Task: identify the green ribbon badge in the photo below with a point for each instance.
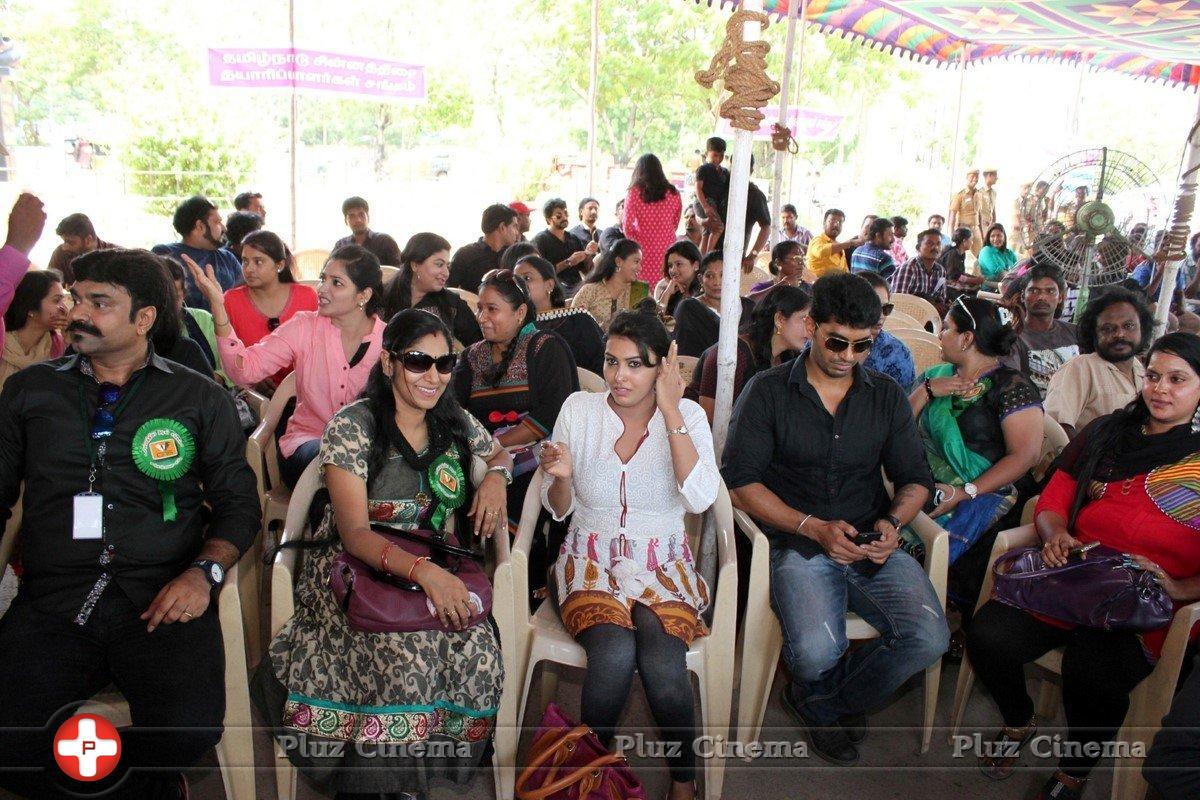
(164, 451)
(449, 486)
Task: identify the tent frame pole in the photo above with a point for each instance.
(731, 273)
(593, 85)
(962, 81)
(785, 82)
(1177, 229)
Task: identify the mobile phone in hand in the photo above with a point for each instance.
(865, 537)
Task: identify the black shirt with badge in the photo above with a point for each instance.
(46, 414)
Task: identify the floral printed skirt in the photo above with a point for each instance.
(377, 712)
(598, 578)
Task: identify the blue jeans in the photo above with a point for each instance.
(293, 466)
(811, 597)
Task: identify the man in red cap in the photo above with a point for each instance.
(522, 217)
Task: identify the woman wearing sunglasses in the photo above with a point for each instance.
(421, 283)
(515, 382)
(380, 456)
(332, 349)
(270, 296)
(577, 327)
(981, 424)
(629, 463)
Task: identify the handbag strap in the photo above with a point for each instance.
(433, 542)
(544, 749)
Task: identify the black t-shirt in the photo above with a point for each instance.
(757, 209)
(470, 263)
(716, 184)
(556, 251)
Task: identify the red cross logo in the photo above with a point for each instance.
(87, 747)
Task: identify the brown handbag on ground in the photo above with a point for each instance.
(567, 762)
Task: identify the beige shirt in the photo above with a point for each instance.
(987, 208)
(966, 203)
(1087, 387)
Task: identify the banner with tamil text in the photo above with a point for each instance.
(285, 67)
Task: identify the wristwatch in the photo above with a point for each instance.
(214, 573)
(971, 489)
(893, 520)
(680, 431)
(504, 471)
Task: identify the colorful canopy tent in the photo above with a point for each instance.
(1156, 40)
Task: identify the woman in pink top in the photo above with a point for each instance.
(332, 349)
(270, 296)
(652, 209)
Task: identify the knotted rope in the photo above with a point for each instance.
(743, 66)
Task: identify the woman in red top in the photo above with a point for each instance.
(270, 296)
(1127, 481)
(652, 209)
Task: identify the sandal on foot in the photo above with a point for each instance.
(1000, 755)
(1061, 786)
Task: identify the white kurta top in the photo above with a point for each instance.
(627, 536)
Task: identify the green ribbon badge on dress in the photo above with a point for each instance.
(164, 450)
(449, 486)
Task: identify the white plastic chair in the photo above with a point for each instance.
(309, 262)
(471, 298)
(541, 636)
(283, 607)
(762, 638)
(1148, 703)
(925, 348)
(898, 319)
(590, 381)
(919, 309)
(235, 750)
(389, 274)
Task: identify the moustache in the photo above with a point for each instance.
(83, 327)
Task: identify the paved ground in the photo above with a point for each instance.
(891, 766)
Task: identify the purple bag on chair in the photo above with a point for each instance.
(1105, 590)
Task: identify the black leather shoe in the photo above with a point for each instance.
(855, 726)
(830, 743)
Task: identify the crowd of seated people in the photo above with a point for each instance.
(475, 353)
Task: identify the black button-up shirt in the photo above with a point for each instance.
(470, 263)
(783, 437)
(383, 246)
(44, 438)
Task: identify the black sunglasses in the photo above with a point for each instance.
(836, 344)
(104, 419)
(418, 363)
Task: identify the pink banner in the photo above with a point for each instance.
(806, 124)
(276, 67)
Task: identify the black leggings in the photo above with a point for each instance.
(613, 653)
(1099, 670)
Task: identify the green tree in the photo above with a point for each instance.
(166, 169)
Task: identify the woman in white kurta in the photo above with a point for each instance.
(629, 464)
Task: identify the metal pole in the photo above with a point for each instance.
(962, 79)
(785, 82)
(593, 84)
(799, 83)
(1177, 231)
(292, 119)
(735, 231)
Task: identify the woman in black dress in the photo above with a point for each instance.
(698, 319)
(421, 283)
(575, 325)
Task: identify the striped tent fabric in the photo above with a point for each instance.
(1155, 40)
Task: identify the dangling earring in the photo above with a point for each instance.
(778, 330)
(1196, 421)
(361, 306)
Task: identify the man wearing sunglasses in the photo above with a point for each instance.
(119, 451)
(804, 456)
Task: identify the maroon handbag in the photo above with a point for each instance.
(567, 762)
(1106, 590)
(378, 602)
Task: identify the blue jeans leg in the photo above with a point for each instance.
(292, 467)
(897, 600)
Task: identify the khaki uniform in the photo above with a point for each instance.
(966, 206)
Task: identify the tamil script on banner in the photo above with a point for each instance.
(806, 124)
(285, 67)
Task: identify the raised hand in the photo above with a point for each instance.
(668, 387)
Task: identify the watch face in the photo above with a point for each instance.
(217, 573)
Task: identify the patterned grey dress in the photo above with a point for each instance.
(379, 712)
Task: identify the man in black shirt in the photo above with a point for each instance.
(615, 232)
(501, 229)
(357, 214)
(571, 258)
(119, 451)
(803, 458)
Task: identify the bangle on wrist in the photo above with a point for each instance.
(415, 564)
(801, 525)
(929, 391)
(383, 562)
